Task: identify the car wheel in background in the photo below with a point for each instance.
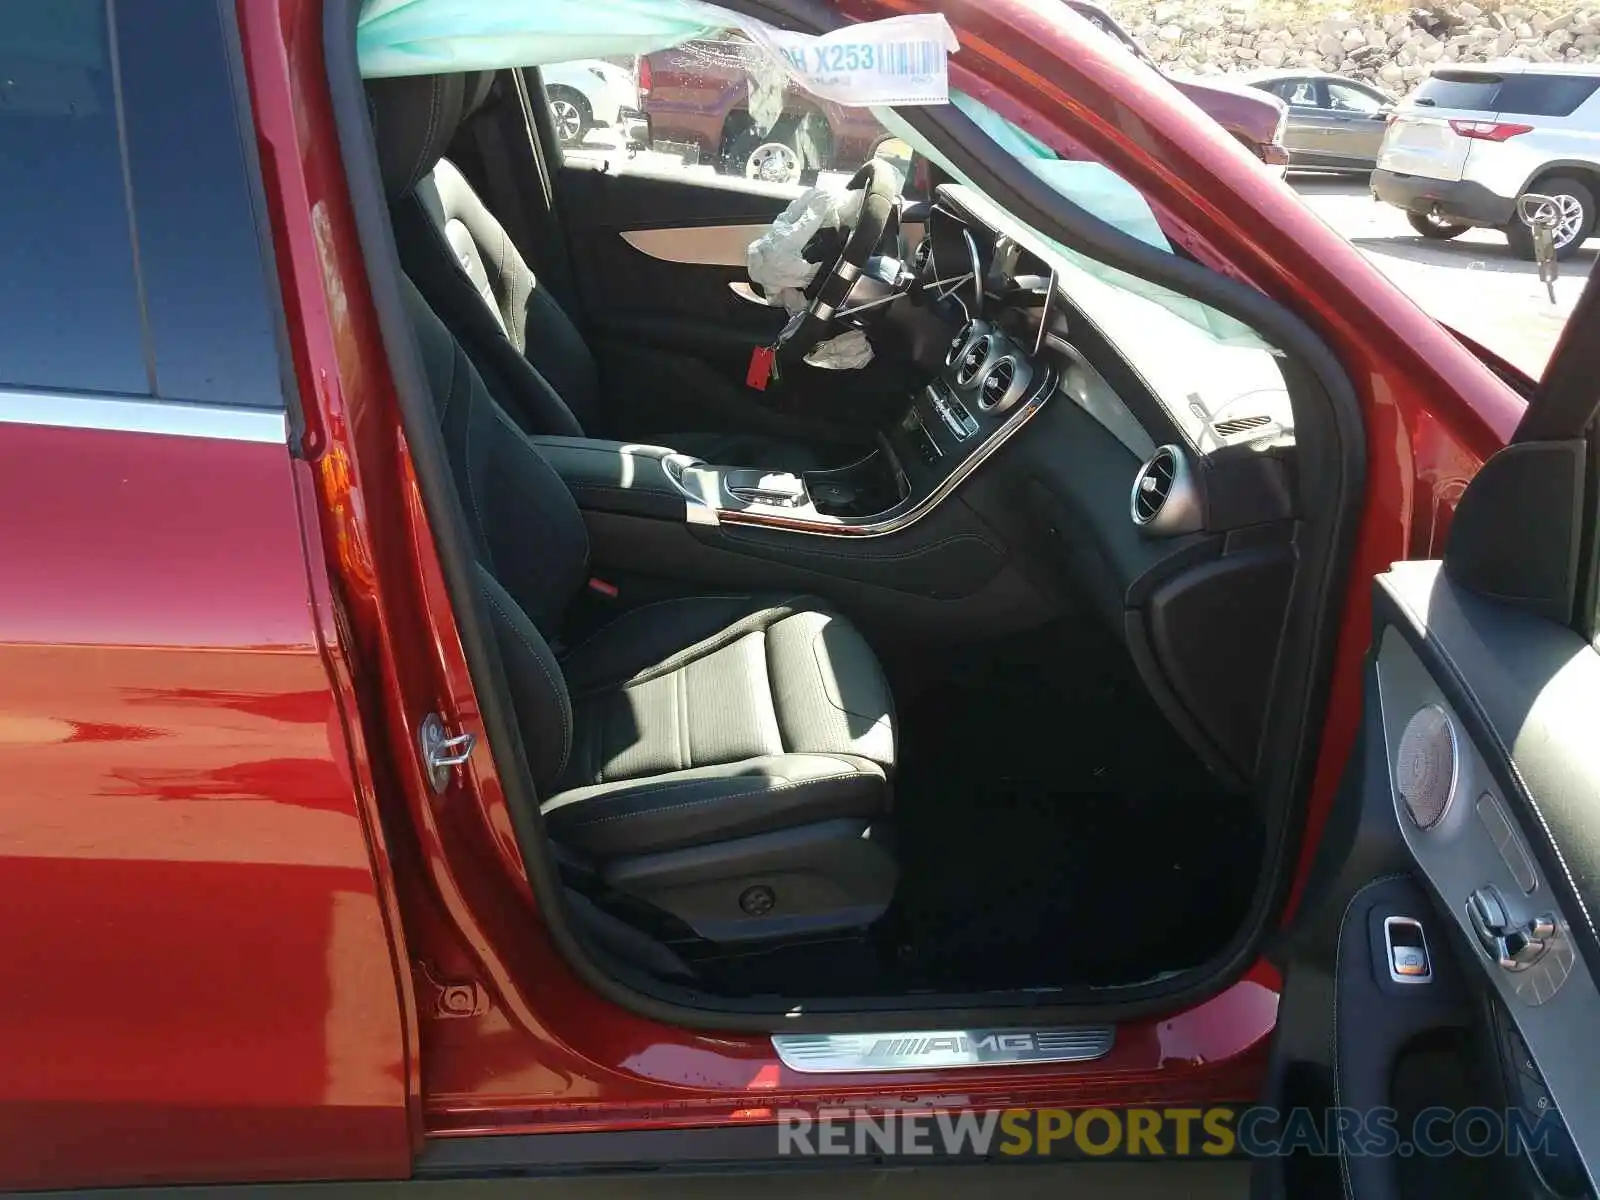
(570, 114)
(786, 153)
(1575, 211)
(1438, 229)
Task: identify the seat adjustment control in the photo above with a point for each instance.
(1514, 945)
(1406, 948)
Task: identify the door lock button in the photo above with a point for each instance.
(1407, 950)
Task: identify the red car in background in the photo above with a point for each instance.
(697, 96)
(424, 763)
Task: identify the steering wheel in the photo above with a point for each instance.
(817, 321)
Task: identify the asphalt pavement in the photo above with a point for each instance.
(1474, 283)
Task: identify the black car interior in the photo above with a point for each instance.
(882, 705)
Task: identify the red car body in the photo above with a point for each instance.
(245, 939)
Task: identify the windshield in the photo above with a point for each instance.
(1203, 365)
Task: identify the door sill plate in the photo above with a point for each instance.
(940, 1049)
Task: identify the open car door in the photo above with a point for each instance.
(1439, 1029)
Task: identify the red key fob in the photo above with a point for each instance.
(760, 368)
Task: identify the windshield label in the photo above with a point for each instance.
(901, 60)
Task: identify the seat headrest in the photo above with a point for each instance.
(477, 91)
(414, 119)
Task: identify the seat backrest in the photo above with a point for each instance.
(527, 349)
(529, 537)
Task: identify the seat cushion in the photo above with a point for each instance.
(717, 716)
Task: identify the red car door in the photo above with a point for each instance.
(1436, 1027)
(199, 975)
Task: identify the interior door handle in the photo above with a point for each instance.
(1511, 944)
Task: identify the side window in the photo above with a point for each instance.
(132, 263)
(1343, 98)
(72, 304)
(1301, 93)
(1546, 95)
(705, 109)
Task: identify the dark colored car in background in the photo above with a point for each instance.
(1258, 126)
(1335, 122)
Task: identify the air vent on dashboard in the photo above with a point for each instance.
(1238, 425)
(959, 343)
(972, 360)
(997, 381)
(1166, 500)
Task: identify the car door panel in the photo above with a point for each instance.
(1514, 694)
(679, 277)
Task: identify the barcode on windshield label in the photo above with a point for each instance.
(901, 60)
(896, 59)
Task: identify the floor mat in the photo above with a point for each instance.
(1053, 829)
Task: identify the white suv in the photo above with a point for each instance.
(1473, 139)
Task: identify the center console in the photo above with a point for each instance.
(987, 389)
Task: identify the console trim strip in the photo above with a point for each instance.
(897, 519)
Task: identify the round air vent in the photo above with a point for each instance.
(960, 342)
(972, 360)
(1426, 766)
(997, 383)
(1165, 499)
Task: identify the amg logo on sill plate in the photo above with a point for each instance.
(940, 1049)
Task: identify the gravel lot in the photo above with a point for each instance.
(1474, 283)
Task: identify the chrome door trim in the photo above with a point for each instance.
(117, 414)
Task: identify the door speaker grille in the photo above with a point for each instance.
(1427, 766)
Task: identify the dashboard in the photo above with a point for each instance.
(1174, 525)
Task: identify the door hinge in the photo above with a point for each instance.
(442, 751)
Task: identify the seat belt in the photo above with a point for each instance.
(546, 255)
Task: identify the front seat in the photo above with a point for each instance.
(531, 355)
(725, 761)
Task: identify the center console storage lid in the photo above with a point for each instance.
(620, 477)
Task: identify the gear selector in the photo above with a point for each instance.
(777, 488)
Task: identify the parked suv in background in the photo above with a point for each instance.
(590, 93)
(1473, 139)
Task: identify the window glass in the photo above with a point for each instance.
(1203, 365)
(200, 259)
(131, 262)
(1346, 99)
(1546, 95)
(708, 108)
(1460, 89)
(67, 287)
(1302, 93)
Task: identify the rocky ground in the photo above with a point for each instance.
(1384, 41)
